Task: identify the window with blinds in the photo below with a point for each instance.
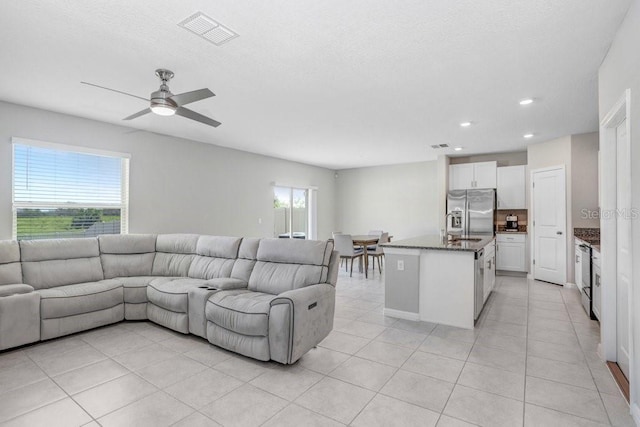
(61, 191)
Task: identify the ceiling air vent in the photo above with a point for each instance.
(207, 28)
(437, 146)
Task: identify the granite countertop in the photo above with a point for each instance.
(435, 242)
(593, 242)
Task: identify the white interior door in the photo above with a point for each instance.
(549, 225)
(623, 247)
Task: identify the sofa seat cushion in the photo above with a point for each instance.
(172, 293)
(241, 311)
(81, 298)
(7, 290)
(135, 288)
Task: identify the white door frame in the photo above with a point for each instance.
(608, 171)
(532, 216)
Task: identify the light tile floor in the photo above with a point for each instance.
(530, 361)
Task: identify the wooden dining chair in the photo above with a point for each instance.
(344, 245)
(374, 233)
(378, 253)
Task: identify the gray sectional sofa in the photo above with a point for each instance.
(269, 299)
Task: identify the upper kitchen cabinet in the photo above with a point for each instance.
(511, 187)
(472, 175)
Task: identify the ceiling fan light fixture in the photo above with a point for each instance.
(163, 109)
(161, 104)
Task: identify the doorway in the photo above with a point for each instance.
(616, 239)
(291, 213)
(549, 201)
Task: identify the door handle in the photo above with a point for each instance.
(559, 233)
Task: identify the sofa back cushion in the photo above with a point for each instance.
(59, 262)
(127, 255)
(247, 256)
(10, 268)
(286, 264)
(174, 254)
(215, 256)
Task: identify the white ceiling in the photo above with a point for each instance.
(332, 83)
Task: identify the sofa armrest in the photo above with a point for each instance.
(301, 296)
(310, 319)
(226, 283)
(7, 290)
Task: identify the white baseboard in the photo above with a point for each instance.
(635, 413)
(570, 285)
(399, 314)
(529, 276)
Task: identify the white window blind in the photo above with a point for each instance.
(62, 191)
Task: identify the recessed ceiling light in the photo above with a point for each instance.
(528, 135)
(526, 101)
(457, 149)
(465, 124)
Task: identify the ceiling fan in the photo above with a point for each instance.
(165, 103)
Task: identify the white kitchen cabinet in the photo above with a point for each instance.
(467, 176)
(511, 252)
(485, 174)
(489, 269)
(578, 264)
(461, 176)
(511, 187)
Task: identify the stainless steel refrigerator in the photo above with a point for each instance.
(471, 212)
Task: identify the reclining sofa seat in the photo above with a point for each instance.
(19, 305)
(203, 265)
(67, 273)
(287, 308)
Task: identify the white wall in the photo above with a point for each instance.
(547, 154)
(620, 71)
(584, 179)
(401, 199)
(176, 185)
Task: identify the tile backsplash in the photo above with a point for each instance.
(589, 235)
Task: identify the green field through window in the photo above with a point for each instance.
(65, 223)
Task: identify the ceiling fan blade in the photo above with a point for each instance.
(190, 114)
(114, 90)
(193, 96)
(138, 114)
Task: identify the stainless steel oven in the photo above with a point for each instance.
(585, 262)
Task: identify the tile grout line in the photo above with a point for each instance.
(526, 358)
(589, 367)
(65, 391)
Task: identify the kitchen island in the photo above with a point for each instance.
(438, 281)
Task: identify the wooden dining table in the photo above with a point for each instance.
(365, 240)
